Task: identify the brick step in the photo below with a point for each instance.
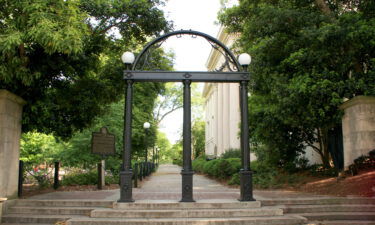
(341, 222)
(279, 220)
(202, 204)
(187, 213)
(338, 216)
(327, 208)
(319, 201)
(37, 219)
(63, 203)
(51, 210)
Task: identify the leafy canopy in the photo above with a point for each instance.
(307, 57)
(62, 56)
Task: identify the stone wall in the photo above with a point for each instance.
(10, 133)
(358, 128)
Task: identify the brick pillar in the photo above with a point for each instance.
(358, 128)
(10, 134)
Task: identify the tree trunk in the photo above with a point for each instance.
(323, 144)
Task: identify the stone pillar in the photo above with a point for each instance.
(358, 128)
(2, 200)
(10, 134)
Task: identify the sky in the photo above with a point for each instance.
(191, 54)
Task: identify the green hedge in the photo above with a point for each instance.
(219, 168)
(87, 178)
(264, 176)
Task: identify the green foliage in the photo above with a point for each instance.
(231, 153)
(90, 177)
(177, 153)
(235, 179)
(218, 168)
(307, 58)
(211, 168)
(229, 167)
(166, 152)
(37, 148)
(265, 175)
(81, 178)
(198, 138)
(62, 57)
(198, 164)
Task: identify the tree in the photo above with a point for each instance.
(166, 155)
(168, 101)
(171, 100)
(307, 57)
(77, 151)
(62, 56)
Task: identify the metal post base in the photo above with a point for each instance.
(187, 186)
(126, 187)
(246, 181)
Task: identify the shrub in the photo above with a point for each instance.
(231, 153)
(219, 168)
(211, 168)
(228, 167)
(79, 178)
(112, 179)
(198, 165)
(235, 179)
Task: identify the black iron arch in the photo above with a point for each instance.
(209, 38)
(240, 76)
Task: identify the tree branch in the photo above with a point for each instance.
(167, 113)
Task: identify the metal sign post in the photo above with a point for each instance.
(103, 144)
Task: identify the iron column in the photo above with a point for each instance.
(187, 173)
(246, 175)
(126, 172)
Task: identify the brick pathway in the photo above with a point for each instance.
(165, 184)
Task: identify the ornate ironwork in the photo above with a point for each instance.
(143, 59)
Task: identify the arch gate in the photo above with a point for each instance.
(236, 74)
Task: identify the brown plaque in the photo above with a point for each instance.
(103, 142)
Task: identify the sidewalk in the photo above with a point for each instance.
(165, 184)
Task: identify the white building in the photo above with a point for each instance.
(221, 106)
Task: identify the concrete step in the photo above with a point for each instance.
(341, 222)
(51, 210)
(319, 201)
(30, 219)
(25, 223)
(187, 213)
(338, 216)
(64, 203)
(279, 220)
(203, 204)
(327, 208)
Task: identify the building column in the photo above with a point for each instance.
(220, 122)
(10, 135)
(358, 128)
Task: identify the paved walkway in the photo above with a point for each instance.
(165, 184)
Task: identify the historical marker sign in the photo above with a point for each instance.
(103, 142)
